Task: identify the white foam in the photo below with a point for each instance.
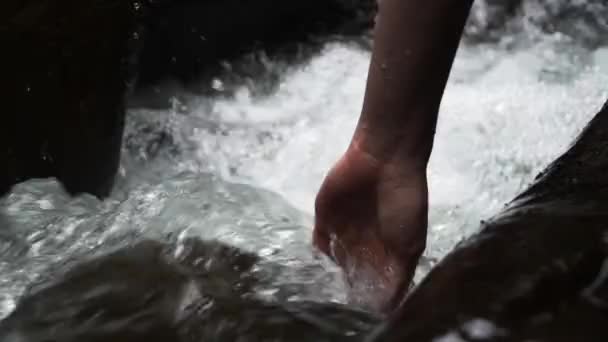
(504, 116)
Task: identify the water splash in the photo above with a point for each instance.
(245, 169)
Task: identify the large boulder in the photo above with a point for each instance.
(64, 67)
(535, 272)
(581, 21)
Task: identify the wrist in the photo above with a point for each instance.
(400, 154)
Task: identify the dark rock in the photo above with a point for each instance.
(535, 272)
(188, 41)
(190, 292)
(64, 66)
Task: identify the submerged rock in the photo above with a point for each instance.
(535, 272)
(152, 291)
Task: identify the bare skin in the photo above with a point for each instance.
(372, 208)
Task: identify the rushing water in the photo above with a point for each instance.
(245, 169)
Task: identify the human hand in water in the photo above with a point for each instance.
(371, 219)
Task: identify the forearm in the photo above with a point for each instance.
(415, 43)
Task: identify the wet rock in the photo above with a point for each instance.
(151, 291)
(535, 272)
(64, 69)
(228, 320)
(133, 291)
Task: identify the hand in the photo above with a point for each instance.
(371, 219)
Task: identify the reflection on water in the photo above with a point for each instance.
(245, 170)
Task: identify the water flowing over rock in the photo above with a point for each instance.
(536, 271)
(540, 261)
(190, 292)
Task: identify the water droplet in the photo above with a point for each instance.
(217, 84)
(481, 329)
(198, 261)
